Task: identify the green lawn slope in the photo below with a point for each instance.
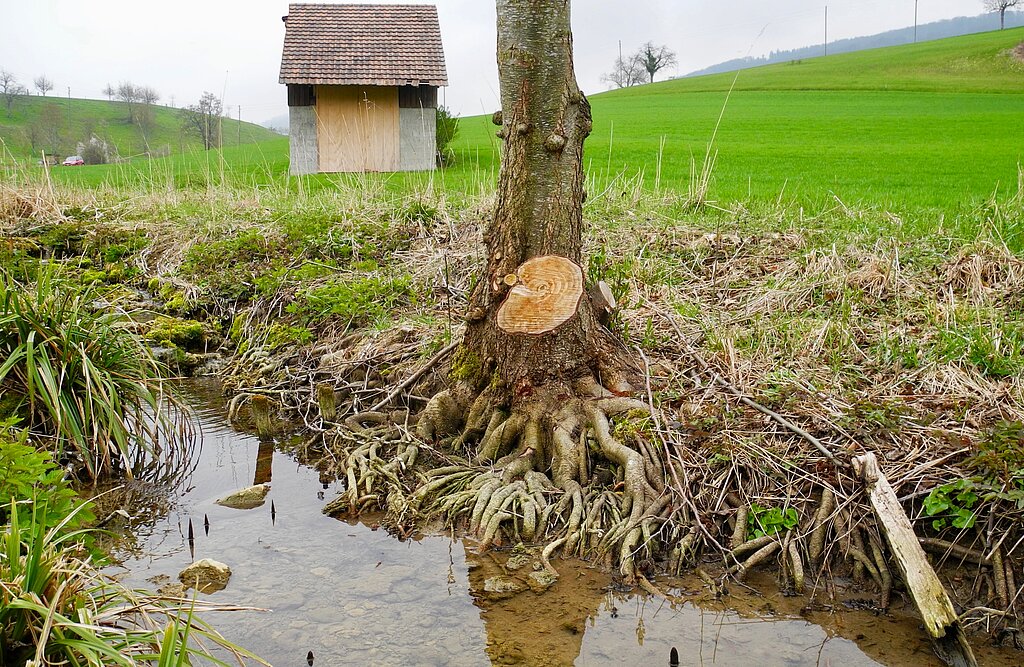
(927, 131)
(933, 125)
(75, 120)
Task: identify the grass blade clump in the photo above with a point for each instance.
(84, 384)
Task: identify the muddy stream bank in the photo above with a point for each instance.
(352, 594)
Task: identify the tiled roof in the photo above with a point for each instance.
(380, 45)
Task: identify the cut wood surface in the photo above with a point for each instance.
(546, 293)
(936, 609)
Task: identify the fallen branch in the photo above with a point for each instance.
(940, 619)
(415, 376)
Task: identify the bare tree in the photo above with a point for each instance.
(641, 66)
(43, 133)
(128, 93)
(10, 89)
(148, 95)
(1000, 6)
(43, 84)
(656, 58)
(627, 72)
(203, 119)
(110, 91)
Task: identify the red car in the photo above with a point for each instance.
(73, 161)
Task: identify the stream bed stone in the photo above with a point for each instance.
(206, 576)
(248, 498)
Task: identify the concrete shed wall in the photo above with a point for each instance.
(302, 141)
(418, 141)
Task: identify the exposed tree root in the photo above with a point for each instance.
(523, 471)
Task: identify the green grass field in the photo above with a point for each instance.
(932, 125)
(922, 131)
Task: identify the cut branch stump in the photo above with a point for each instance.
(545, 293)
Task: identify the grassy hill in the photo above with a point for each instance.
(925, 131)
(57, 125)
(934, 124)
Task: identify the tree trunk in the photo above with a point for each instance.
(539, 212)
(537, 375)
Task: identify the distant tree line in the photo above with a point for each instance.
(11, 89)
(49, 130)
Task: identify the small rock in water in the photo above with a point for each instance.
(517, 561)
(501, 587)
(170, 590)
(541, 580)
(206, 576)
(247, 498)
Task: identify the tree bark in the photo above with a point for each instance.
(545, 119)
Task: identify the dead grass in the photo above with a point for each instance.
(911, 347)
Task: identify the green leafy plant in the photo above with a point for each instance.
(952, 504)
(447, 129)
(763, 521)
(26, 473)
(83, 384)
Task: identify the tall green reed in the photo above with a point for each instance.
(84, 384)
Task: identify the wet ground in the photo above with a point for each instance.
(353, 595)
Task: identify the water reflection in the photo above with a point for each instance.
(349, 594)
(264, 462)
(532, 627)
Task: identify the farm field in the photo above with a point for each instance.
(927, 126)
(920, 131)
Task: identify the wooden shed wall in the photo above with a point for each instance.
(357, 128)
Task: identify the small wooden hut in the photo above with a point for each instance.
(362, 86)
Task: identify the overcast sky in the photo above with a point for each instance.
(233, 47)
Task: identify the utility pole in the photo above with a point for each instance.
(826, 30)
(238, 140)
(915, 21)
(69, 108)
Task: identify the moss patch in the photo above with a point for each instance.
(174, 332)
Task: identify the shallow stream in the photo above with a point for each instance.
(354, 595)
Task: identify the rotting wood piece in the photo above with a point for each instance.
(546, 294)
(933, 603)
